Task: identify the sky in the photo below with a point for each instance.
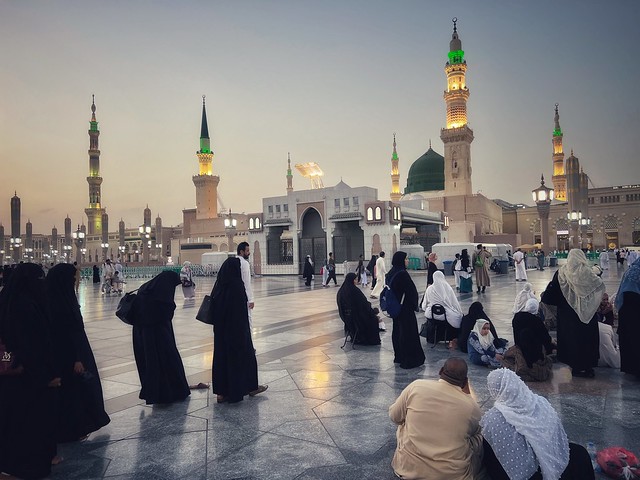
(329, 81)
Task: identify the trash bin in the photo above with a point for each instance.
(448, 267)
(553, 261)
(503, 266)
(414, 263)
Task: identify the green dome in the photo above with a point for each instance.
(426, 174)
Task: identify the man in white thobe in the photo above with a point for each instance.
(381, 272)
(521, 267)
(245, 271)
(604, 260)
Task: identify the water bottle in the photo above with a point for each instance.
(592, 451)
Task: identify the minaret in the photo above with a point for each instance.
(559, 178)
(395, 174)
(289, 174)
(206, 182)
(573, 183)
(94, 211)
(457, 136)
(16, 239)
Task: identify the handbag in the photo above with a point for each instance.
(7, 360)
(203, 311)
(187, 283)
(124, 307)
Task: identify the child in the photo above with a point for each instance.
(481, 348)
(117, 282)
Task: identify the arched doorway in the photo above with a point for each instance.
(313, 240)
(257, 258)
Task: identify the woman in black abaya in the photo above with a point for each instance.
(81, 407)
(407, 348)
(577, 293)
(235, 369)
(154, 344)
(27, 399)
(356, 312)
(476, 312)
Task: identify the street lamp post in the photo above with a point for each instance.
(28, 252)
(574, 218)
(105, 248)
(78, 237)
(585, 223)
(15, 243)
(543, 196)
(230, 224)
(145, 234)
(67, 252)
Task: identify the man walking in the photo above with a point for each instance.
(481, 262)
(381, 271)
(245, 271)
(331, 269)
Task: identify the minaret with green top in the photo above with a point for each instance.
(559, 177)
(395, 174)
(457, 136)
(94, 211)
(206, 182)
(289, 174)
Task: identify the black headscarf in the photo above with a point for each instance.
(25, 285)
(397, 264)
(348, 290)
(154, 302)
(229, 292)
(476, 312)
(464, 259)
(64, 306)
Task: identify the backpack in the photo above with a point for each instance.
(389, 302)
(479, 261)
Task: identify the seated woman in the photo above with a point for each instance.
(609, 350)
(528, 357)
(521, 298)
(356, 313)
(441, 293)
(480, 346)
(605, 311)
(524, 438)
(476, 311)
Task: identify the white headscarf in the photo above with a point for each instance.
(521, 298)
(581, 288)
(533, 417)
(486, 341)
(531, 306)
(441, 292)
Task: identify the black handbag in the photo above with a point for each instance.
(124, 307)
(203, 311)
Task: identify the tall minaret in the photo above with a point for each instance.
(289, 174)
(457, 136)
(559, 178)
(94, 211)
(206, 182)
(395, 174)
(573, 183)
(16, 239)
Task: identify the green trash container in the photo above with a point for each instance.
(414, 263)
(503, 266)
(448, 267)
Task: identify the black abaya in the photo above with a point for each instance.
(407, 347)
(307, 272)
(629, 332)
(530, 334)
(81, 408)
(96, 274)
(154, 344)
(578, 342)
(235, 368)
(27, 403)
(356, 312)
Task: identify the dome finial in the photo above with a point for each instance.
(429, 143)
(203, 97)
(542, 179)
(455, 28)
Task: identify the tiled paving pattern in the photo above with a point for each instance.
(325, 413)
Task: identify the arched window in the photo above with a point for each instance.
(370, 214)
(378, 214)
(635, 234)
(251, 224)
(258, 222)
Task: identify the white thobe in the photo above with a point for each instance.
(381, 272)
(245, 272)
(520, 264)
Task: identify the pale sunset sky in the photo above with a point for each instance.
(329, 81)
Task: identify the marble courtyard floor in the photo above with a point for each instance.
(325, 413)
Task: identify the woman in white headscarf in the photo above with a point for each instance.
(440, 292)
(523, 435)
(186, 278)
(521, 298)
(577, 293)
